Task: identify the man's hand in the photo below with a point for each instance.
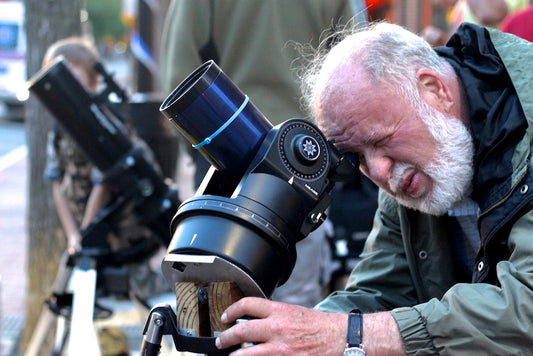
(283, 329)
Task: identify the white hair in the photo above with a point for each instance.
(389, 53)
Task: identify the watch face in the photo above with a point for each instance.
(354, 351)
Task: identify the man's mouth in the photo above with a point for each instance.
(411, 183)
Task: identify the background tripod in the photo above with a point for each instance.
(72, 305)
(99, 130)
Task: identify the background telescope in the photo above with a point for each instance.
(95, 125)
(268, 188)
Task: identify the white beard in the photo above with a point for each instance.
(451, 170)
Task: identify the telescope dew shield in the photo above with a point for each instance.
(79, 115)
(217, 118)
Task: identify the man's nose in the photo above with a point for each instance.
(377, 168)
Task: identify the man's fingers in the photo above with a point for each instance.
(251, 331)
(250, 306)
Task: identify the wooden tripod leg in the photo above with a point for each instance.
(192, 315)
(221, 295)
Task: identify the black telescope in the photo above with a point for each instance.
(267, 188)
(102, 136)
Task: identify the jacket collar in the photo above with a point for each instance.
(498, 123)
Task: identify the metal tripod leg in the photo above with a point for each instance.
(62, 332)
(46, 321)
(154, 330)
(47, 317)
(78, 329)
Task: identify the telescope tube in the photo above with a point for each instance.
(96, 130)
(105, 141)
(217, 118)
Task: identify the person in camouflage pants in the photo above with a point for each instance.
(78, 189)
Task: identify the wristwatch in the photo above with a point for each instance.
(355, 336)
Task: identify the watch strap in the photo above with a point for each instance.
(355, 329)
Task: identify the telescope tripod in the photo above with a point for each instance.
(72, 306)
(73, 313)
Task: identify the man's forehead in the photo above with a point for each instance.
(348, 83)
(353, 99)
(362, 120)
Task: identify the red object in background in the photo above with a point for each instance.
(520, 24)
(379, 9)
(373, 4)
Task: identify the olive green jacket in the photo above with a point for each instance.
(407, 265)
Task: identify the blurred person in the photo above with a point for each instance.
(78, 190)
(438, 35)
(445, 133)
(520, 24)
(488, 13)
(255, 44)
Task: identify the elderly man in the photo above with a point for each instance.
(445, 134)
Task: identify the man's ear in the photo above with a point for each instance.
(434, 90)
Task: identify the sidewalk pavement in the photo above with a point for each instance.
(13, 252)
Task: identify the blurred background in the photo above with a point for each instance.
(127, 33)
